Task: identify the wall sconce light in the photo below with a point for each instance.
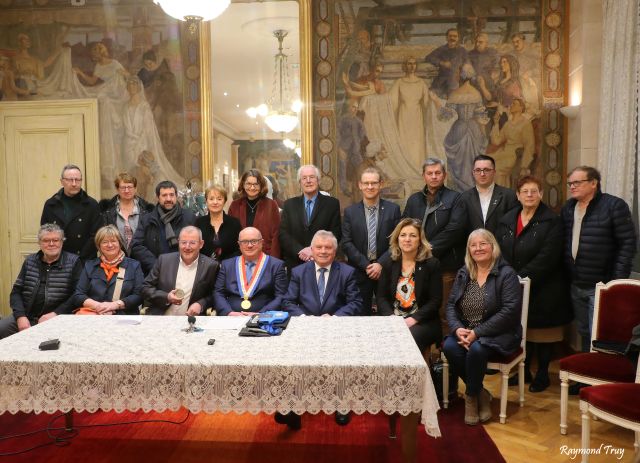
(570, 112)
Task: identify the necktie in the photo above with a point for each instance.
(308, 208)
(250, 266)
(321, 283)
(371, 231)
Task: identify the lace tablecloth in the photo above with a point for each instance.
(359, 364)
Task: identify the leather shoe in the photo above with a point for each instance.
(574, 389)
(513, 381)
(292, 420)
(342, 420)
(539, 384)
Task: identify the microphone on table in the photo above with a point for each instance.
(192, 324)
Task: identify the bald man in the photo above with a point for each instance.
(252, 282)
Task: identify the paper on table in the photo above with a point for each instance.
(222, 323)
(129, 319)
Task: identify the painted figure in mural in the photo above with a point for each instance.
(369, 85)
(163, 96)
(8, 89)
(409, 97)
(529, 61)
(30, 69)
(352, 138)
(466, 138)
(362, 56)
(447, 59)
(508, 86)
(484, 60)
(516, 145)
(141, 135)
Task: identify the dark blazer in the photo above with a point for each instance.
(268, 295)
(93, 285)
(443, 225)
(79, 230)
(149, 240)
(296, 234)
(500, 327)
(227, 237)
(267, 220)
(355, 236)
(537, 253)
(428, 290)
(162, 280)
(502, 200)
(341, 296)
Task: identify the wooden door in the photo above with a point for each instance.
(38, 139)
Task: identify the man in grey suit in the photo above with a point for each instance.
(366, 228)
(484, 205)
(181, 283)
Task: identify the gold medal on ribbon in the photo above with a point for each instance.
(246, 304)
(247, 288)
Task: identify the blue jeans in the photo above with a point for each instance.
(470, 365)
(583, 301)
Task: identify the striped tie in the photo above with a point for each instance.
(321, 283)
(372, 227)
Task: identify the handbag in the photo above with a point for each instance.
(436, 368)
(116, 294)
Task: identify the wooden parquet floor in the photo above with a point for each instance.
(532, 433)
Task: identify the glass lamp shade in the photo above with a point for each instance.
(281, 121)
(205, 9)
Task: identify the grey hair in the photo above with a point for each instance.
(324, 234)
(467, 72)
(50, 228)
(432, 162)
(191, 228)
(70, 167)
(306, 166)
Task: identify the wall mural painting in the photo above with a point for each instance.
(140, 65)
(409, 79)
(278, 163)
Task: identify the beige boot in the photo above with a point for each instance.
(484, 405)
(471, 410)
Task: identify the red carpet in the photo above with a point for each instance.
(243, 438)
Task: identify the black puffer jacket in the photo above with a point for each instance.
(79, 230)
(61, 283)
(445, 231)
(537, 254)
(607, 241)
(500, 327)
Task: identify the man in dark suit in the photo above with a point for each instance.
(75, 212)
(435, 206)
(263, 280)
(321, 287)
(304, 215)
(366, 228)
(181, 283)
(158, 231)
(484, 205)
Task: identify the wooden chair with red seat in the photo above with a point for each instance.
(614, 316)
(504, 364)
(616, 403)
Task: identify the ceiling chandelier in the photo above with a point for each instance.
(280, 113)
(193, 11)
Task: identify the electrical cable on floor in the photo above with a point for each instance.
(64, 438)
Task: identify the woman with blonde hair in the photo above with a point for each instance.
(219, 230)
(411, 286)
(483, 313)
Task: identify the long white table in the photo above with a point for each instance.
(359, 364)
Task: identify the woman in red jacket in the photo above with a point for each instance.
(254, 209)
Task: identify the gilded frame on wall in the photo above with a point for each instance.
(373, 105)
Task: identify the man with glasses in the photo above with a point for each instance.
(484, 205)
(75, 212)
(181, 283)
(366, 228)
(252, 282)
(600, 243)
(303, 216)
(45, 284)
(158, 231)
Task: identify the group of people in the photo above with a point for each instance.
(449, 264)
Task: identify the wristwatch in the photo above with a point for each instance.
(120, 304)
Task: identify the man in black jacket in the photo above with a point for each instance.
(158, 231)
(443, 225)
(303, 216)
(75, 212)
(44, 285)
(600, 243)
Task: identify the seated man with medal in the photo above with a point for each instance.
(252, 282)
